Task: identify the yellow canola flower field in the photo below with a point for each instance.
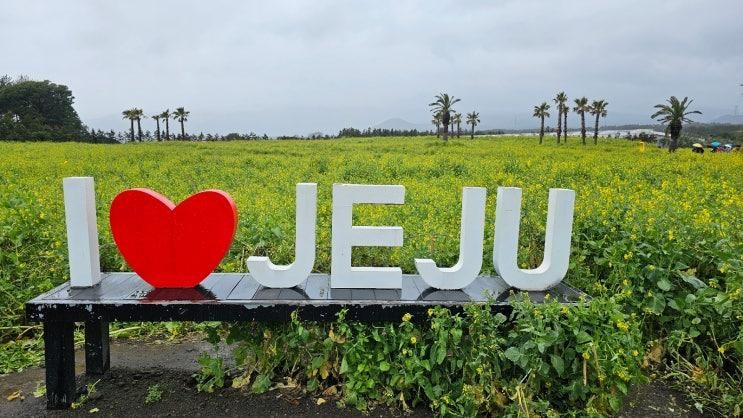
(682, 203)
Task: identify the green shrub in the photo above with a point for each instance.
(547, 358)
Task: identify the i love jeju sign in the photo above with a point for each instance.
(178, 246)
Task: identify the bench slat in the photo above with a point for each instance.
(245, 289)
(223, 285)
(111, 286)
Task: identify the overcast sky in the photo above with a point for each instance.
(295, 67)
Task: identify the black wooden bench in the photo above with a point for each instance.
(229, 297)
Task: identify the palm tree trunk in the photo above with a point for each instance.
(157, 121)
(167, 129)
(139, 129)
(183, 131)
(565, 127)
(438, 131)
(596, 131)
(675, 129)
(583, 127)
(458, 129)
(446, 133)
(472, 134)
(541, 131)
(132, 127)
(559, 123)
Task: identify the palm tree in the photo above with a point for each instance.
(473, 119)
(131, 115)
(181, 115)
(674, 114)
(541, 112)
(436, 121)
(560, 100)
(138, 115)
(157, 118)
(565, 111)
(598, 109)
(443, 106)
(166, 117)
(457, 119)
(581, 107)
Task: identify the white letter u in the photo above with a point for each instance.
(557, 239)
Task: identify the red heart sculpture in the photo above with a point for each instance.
(173, 246)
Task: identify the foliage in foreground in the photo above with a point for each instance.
(549, 358)
(659, 233)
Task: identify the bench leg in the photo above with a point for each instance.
(97, 354)
(59, 357)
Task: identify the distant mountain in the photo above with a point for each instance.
(401, 124)
(729, 119)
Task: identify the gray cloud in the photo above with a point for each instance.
(287, 67)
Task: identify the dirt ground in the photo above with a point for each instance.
(137, 366)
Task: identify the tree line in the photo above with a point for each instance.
(442, 109)
(370, 132)
(597, 108)
(672, 114)
(136, 115)
(42, 110)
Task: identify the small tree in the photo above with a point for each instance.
(565, 111)
(181, 115)
(541, 112)
(138, 115)
(674, 114)
(473, 119)
(156, 118)
(598, 109)
(444, 106)
(581, 107)
(166, 117)
(132, 116)
(560, 100)
(457, 120)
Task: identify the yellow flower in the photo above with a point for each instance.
(586, 356)
(721, 350)
(413, 340)
(406, 317)
(430, 312)
(635, 353)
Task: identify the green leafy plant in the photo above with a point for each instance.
(547, 358)
(154, 394)
(212, 374)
